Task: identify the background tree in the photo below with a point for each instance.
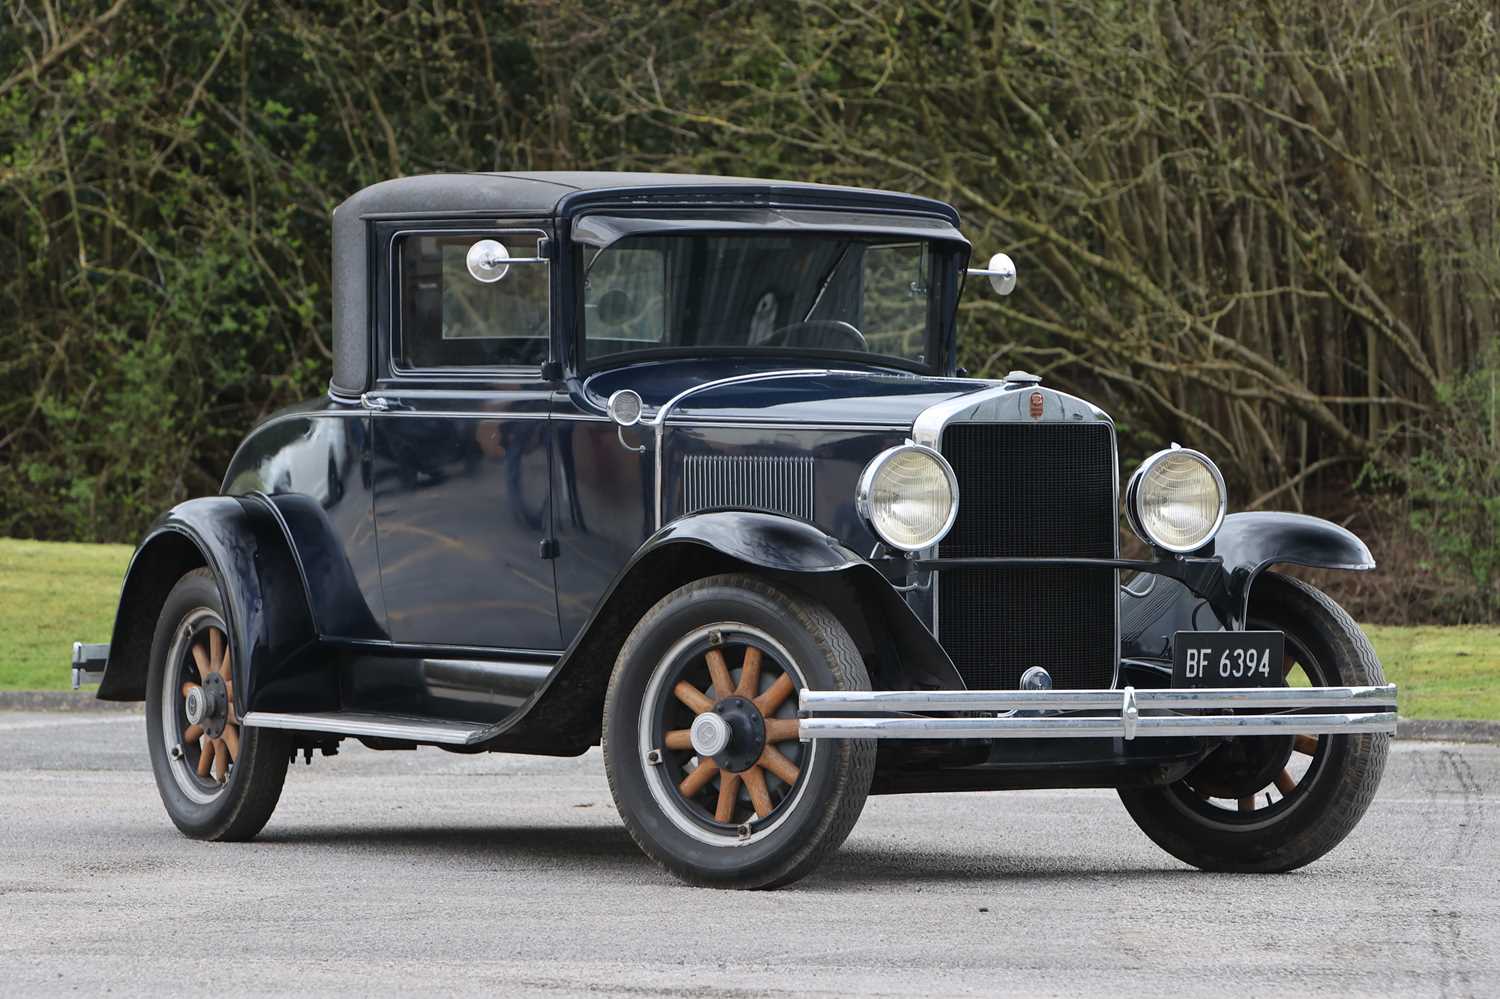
(1267, 229)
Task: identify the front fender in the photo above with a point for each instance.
(1248, 543)
(1215, 590)
(763, 540)
(242, 541)
(564, 714)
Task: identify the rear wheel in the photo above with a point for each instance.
(700, 735)
(217, 779)
(1275, 803)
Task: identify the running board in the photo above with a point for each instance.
(376, 726)
(840, 714)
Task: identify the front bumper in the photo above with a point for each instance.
(1110, 714)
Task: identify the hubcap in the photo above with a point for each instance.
(710, 734)
(195, 705)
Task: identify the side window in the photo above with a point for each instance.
(451, 319)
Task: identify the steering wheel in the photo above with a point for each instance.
(828, 334)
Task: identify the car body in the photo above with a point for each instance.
(658, 380)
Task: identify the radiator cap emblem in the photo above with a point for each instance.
(1038, 405)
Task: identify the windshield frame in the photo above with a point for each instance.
(947, 255)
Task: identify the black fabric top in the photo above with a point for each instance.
(538, 194)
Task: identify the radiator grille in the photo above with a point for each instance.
(774, 483)
(1031, 490)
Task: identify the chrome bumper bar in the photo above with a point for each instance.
(1132, 714)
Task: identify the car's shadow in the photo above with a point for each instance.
(599, 845)
(606, 849)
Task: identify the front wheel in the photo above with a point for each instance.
(217, 779)
(1275, 803)
(700, 734)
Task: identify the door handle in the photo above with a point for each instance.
(380, 404)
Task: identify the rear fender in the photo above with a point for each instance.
(242, 541)
(797, 554)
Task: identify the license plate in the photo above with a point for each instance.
(1227, 659)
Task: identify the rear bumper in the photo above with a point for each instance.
(1109, 714)
(88, 663)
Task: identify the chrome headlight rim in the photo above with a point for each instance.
(863, 494)
(1132, 511)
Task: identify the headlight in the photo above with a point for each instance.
(1176, 500)
(909, 496)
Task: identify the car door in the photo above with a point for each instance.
(461, 440)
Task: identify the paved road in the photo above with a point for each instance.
(386, 873)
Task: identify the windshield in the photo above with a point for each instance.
(732, 292)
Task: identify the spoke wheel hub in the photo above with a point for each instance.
(745, 727)
(1243, 766)
(207, 704)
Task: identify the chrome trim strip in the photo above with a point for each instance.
(1095, 728)
(433, 730)
(1227, 698)
(895, 428)
(413, 414)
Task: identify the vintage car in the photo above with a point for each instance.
(685, 467)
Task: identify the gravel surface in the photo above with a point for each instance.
(401, 873)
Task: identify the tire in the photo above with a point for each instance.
(1317, 809)
(764, 831)
(202, 807)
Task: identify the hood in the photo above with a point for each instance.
(839, 394)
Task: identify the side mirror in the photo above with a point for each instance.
(488, 261)
(1001, 272)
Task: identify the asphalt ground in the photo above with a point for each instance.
(426, 872)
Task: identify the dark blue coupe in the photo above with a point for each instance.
(684, 467)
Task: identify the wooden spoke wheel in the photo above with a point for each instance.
(723, 726)
(199, 723)
(219, 780)
(1275, 803)
(700, 733)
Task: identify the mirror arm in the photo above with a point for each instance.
(638, 449)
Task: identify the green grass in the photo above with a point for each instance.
(1442, 672)
(53, 594)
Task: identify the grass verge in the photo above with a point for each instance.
(53, 594)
